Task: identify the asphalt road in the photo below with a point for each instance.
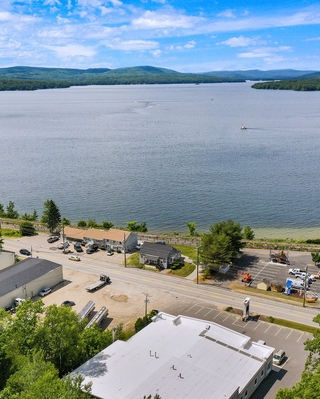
(180, 287)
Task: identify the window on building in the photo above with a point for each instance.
(262, 373)
(256, 381)
(246, 394)
(269, 366)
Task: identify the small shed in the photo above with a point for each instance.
(276, 286)
(264, 284)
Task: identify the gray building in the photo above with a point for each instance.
(159, 255)
(27, 278)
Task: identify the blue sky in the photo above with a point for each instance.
(187, 36)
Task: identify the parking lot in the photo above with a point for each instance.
(290, 340)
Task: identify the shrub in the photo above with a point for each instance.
(175, 233)
(103, 248)
(27, 229)
(271, 319)
(118, 251)
(82, 223)
(229, 308)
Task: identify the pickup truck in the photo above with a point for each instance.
(294, 271)
(102, 281)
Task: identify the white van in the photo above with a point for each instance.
(297, 284)
(278, 356)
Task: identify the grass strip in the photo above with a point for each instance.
(267, 294)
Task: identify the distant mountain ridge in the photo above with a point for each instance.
(58, 74)
(256, 74)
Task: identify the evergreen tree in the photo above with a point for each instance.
(51, 215)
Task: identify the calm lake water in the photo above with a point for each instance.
(166, 154)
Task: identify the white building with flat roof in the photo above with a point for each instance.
(179, 357)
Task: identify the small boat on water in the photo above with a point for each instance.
(243, 127)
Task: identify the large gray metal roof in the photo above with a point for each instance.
(177, 358)
(24, 272)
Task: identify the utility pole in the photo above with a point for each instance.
(146, 301)
(198, 264)
(305, 287)
(64, 244)
(124, 249)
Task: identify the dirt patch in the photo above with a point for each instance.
(119, 298)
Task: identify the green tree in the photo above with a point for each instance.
(107, 225)
(216, 250)
(315, 257)
(82, 223)
(192, 228)
(38, 379)
(2, 212)
(144, 321)
(232, 230)
(92, 223)
(65, 221)
(248, 233)
(51, 215)
(34, 215)
(27, 229)
(11, 213)
(133, 226)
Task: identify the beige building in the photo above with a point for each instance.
(27, 278)
(112, 238)
(7, 258)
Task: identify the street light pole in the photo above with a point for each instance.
(124, 249)
(198, 264)
(146, 307)
(305, 287)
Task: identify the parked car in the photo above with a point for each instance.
(109, 253)
(73, 257)
(279, 356)
(63, 245)
(90, 250)
(68, 303)
(25, 252)
(294, 271)
(53, 239)
(45, 292)
(77, 246)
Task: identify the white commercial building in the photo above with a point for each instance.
(179, 357)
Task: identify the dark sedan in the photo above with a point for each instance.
(25, 252)
(68, 303)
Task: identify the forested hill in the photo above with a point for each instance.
(33, 78)
(297, 85)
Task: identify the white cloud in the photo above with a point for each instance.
(263, 52)
(154, 20)
(133, 45)
(52, 2)
(311, 39)
(105, 10)
(156, 53)
(190, 44)
(5, 16)
(227, 14)
(72, 50)
(240, 41)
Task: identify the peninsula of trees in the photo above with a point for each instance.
(297, 85)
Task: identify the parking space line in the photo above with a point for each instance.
(300, 337)
(208, 312)
(268, 328)
(217, 314)
(226, 317)
(191, 307)
(258, 325)
(278, 331)
(289, 334)
(237, 318)
(261, 271)
(199, 309)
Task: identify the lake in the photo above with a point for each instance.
(166, 154)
